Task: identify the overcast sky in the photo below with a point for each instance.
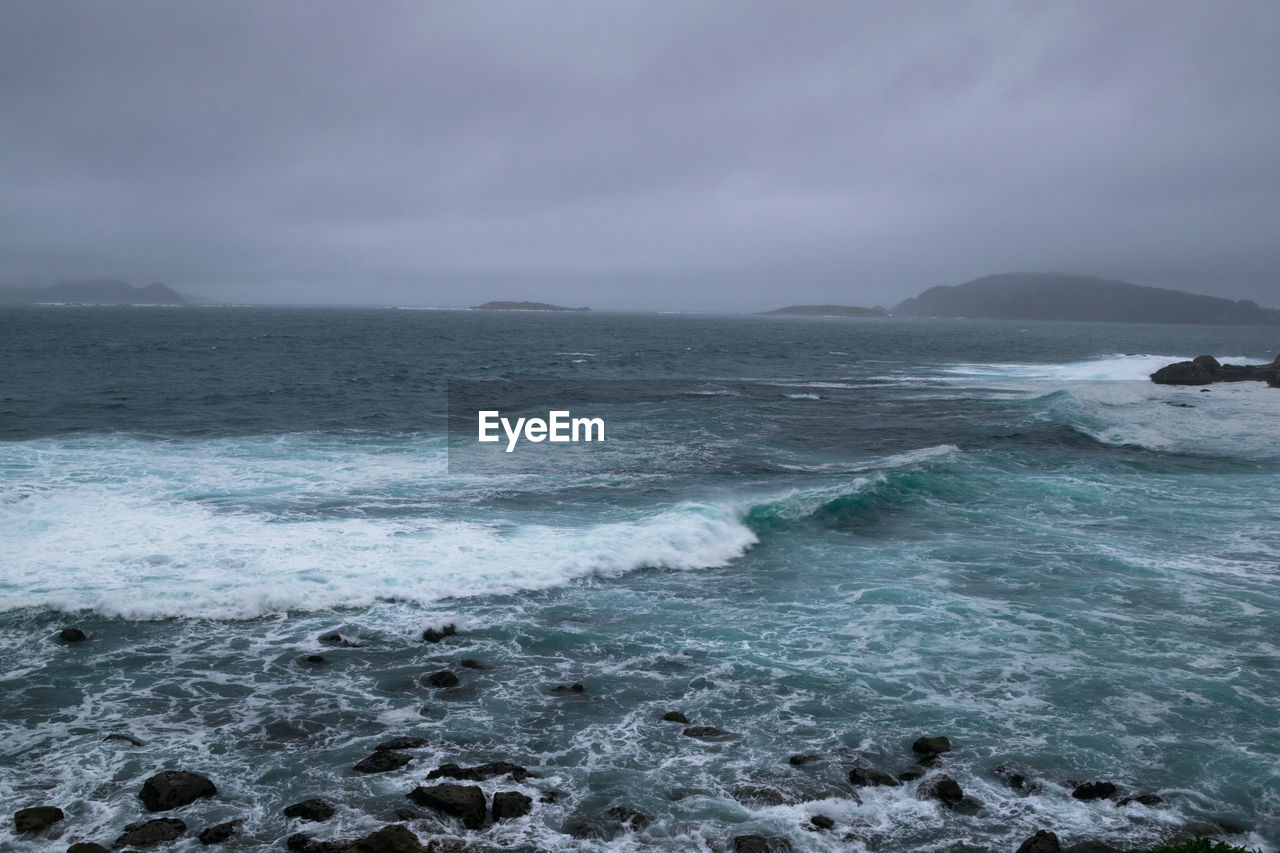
(669, 154)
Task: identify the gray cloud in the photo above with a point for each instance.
(636, 154)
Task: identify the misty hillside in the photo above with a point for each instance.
(93, 292)
(1034, 296)
(501, 305)
(825, 311)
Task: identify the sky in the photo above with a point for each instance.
(661, 155)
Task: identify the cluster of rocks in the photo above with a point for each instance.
(1205, 370)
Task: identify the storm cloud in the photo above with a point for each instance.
(649, 155)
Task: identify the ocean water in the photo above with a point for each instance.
(828, 537)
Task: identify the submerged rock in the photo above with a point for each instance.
(383, 761)
(865, 777)
(130, 739)
(675, 717)
(148, 832)
(461, 801)
(1142, 800)
(758, 795)
(944, 789)
(395, 838)
(821, 821)
(432, 635)
(172, 789)
(72, 635)
(36, 818)
(471, 663)
(798, 760)
(707, 733)
(402, 743)
(1042, 842)
(336, 640)
(443, 678)
(221, 832)
(1094, 791)
(608, 825)
(760, 844)
(481, 772)
(510, 804)
(576, 687)
(87, 847)
(314, 810)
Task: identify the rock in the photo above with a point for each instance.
(395, 838)
(72, 635)
(383, 761)
(130, 739)
(1093, 791)
(314, 660)
(821, 821)
(509, 804)
(798, 760)
(910, 775)
(443, 678)
(675, 717)
(865, 777)
(707, 733)
(402, 743)
(760, 844)
(944, 789)
(1091, 847)
(1142, 800)
(1206, 369)
(629, 818)
(471, 663)
(482, 771)
(337, 641)
(461, 801)
(1017, 779)
(36, 818)
(431, 635)
(314, 809)
(608, 825)
(87, 847)
(148, 832)
(757, 795)
(221, 832)
(1042, 842)
(929, 748)
(576, 687)
(174, 788)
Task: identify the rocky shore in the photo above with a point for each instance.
(1205, 370)
(451, 808)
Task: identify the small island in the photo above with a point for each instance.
(825, 311)
(1205, 370)
(500, 305)
(92, 292)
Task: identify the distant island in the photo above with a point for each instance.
(825, 311)
(524, 306)
(92, 292)
(1037, 296)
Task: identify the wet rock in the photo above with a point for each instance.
(929, 748)
(1042, 842)
(471, 663)
(36, 818)
(510, 804)
(72, 635)
(337, 641)
(395, 838)
(675, 717)
(300, 842)
(461, 801)
(798, 760)
(147, 832)
(402, 743)
(1205, 369)
(443, 678)
(910, 775)
(707, 733)
(221, 832)
(432, 635)
(87, 847)
(172, 789)
(865, 777)
(821, 821)
(314, 809)
(1091, 847)
(760, 844)
(383, 761)
(481, 772)
(608, 825)
(1093, 791)
(757, 795)
(313, 660)
(130, 739)
(576, 687)
(944, 789)
(1142, 800)
(1017, 778)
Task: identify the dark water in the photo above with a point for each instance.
(828, 537)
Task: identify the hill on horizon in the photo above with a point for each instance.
(824, 311)
(107, 291)
(1055, 296)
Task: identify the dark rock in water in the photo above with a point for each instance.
(760, 844)
(798, 760)
(220, 832)
(608, 825)
(87, 847)
(174, 788)
(443, 678)
(629, 818)
(910, 775)
(1017, 778)
(675, 717)
(402, 743)
(1042, 842)
(1091, 847)
(929, 748)
(821, 821)
(461, 801)
(865, 777)
(757, 795)
(707, 733)
(944, 789)
(148, 832)
(395, 838)
(509, 804)
(576, 687)
(36, 818)
(383, 761)
(314, 660)
(481, 772)
(314, 809)
(72, 635)
(431, 635)
(471, 663)
(1206, 369)
(1141, 799)
(130, 739)
(1093, 791)
(337, 641)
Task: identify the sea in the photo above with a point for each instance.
(823, 537)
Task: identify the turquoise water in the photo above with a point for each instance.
(827, 537)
